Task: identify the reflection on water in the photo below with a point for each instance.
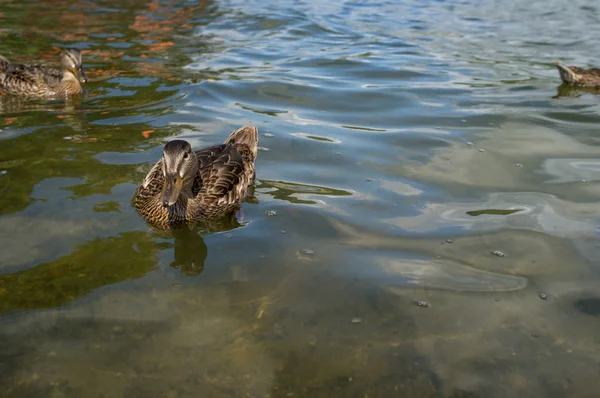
(565, 90)
(404, 144)
(189, 251)
(90, 266)
(295, 193)
(66, 107)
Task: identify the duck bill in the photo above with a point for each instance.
(171, 190)
(81, 74)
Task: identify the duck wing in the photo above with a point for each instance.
(29, 78)
(586, 77)
(219, 183)
(51, 76)
(152, 184)
(40, 74)
(579, 76)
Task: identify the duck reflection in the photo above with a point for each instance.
(566, 90)
(16, 104)
(190, 252)
(189, 249)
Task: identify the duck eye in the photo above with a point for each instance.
(186, 155)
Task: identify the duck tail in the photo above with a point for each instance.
(247, 137)
(566, 74)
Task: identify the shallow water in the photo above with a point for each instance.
(402, 145)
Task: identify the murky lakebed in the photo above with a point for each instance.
(424, 221)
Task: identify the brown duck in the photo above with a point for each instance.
(576, 76)
(39, 81)
(187, 186)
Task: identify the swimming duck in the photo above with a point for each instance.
(40, 81)
(187, 186)
(576, 76)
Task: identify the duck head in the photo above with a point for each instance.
(179, 167)
(71, 62)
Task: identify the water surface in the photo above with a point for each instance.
(424, 221)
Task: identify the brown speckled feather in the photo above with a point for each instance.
(37, 80)
(224, 174)
(578, 76)
(30, 80)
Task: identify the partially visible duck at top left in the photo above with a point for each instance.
(33, 80)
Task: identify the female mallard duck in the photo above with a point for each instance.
(40, 81)
(186, 186)
(578, 76)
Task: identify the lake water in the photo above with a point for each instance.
(424, 222)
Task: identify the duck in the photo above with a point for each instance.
(580, 77)
(29, 80)
(187, 186)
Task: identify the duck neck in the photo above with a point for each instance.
(188, 180)
(69, 83)
(186, 189)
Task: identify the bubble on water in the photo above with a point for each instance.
(263, 149)
(518, 165)
(268, 135)
(469, 143)
(271, 213)
(498, 253)
(448, 241)
(422, 303)
(283, 231)
(369, 179)
(3, 172)
(585, 181)
(543, 296)
(356, 320)
(481, 150)
(308, 252)
(68, 137)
